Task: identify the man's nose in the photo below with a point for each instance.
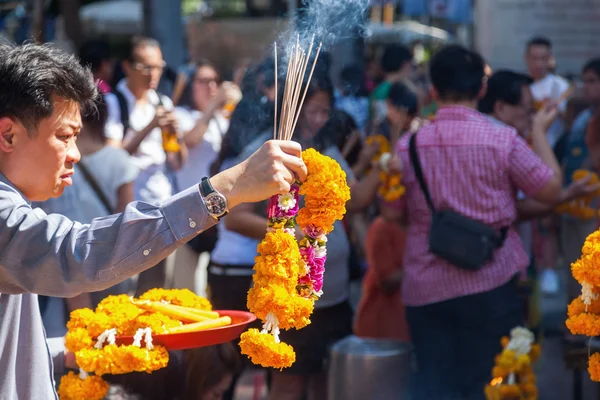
(73, 154)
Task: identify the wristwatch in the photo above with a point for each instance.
(215, 201)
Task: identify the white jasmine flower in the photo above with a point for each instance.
(286, 201)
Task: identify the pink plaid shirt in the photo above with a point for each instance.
(473, 167)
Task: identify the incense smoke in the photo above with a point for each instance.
(329, 21)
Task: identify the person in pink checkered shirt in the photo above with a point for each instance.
(472, 167)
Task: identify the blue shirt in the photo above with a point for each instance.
(577, 151)
(53, 256)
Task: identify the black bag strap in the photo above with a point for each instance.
(416, 163)
(124, 109)
(95, 187)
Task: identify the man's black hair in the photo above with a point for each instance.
(136, 42)
(505, 86)
(539, 41)
(31, 75)
(592, 65)
(394, 57)
(402, 96)
(93, 53)
(457, 73)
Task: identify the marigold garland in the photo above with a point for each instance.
(513, 376)
(581, 207)
(91, 337)
(584, 312)
(288, 276)
(390, 186)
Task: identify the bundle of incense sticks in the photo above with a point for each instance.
(291, 104)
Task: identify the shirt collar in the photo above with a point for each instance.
(123, 88)
(5, 180)
(458, 113)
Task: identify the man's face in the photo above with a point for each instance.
(538, 58)
(41, 166)
(591, 87)
(146, 68)
(518, 116)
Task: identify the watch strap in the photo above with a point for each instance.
(206, 187)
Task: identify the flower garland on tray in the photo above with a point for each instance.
(92, 337)
(584, 312)
(513, 376)
(581, 207)
(288, 276)
(390, 186)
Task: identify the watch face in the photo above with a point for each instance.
(216, 204)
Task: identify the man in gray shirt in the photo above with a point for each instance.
(42, 92)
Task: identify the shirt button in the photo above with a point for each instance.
(192, 224)
(146, 252)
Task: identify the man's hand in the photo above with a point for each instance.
(544, 118)
(580, 188)
(269, 171)
(70, 361)
(167, 121)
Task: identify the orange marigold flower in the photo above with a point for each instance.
(594, 367)
(178, 297)
(72, 387)
(77, 339)
(263, 350)
(584, 324)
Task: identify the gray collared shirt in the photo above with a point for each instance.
(51, 255)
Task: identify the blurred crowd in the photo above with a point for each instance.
(500, 147)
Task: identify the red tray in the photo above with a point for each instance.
(209, 337)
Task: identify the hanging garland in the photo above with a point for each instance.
(513, 376)
(584, 312)
(390, 185)
(288, 276)
(92, 336)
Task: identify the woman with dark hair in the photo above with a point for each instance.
(102, 185)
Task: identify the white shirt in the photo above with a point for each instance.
(152, 184)
(551, 88)
(201, 156)
(231, 247)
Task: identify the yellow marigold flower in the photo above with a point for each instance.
(584, 324)
(499, 372)
(116, 360)
(509, 391)
(72, 387)
(504, 341)
(577, 307)
(77, 339)
(159, 323)
(289, 310)
(594, 367)
(80, 318)
(507, 360)
(326, 192)
(178, 297)
(585, 269)
(262, 350)
(523, 361)
(535, 352)
(99, 324)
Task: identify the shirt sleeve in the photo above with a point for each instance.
(51, 255)
(526, 170)
(113, 128)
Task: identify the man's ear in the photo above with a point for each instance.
(7, 134)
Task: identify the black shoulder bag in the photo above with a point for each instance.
(95, 187)
(462, 241)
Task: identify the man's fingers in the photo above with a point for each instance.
(295, 165)
(289, 147)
